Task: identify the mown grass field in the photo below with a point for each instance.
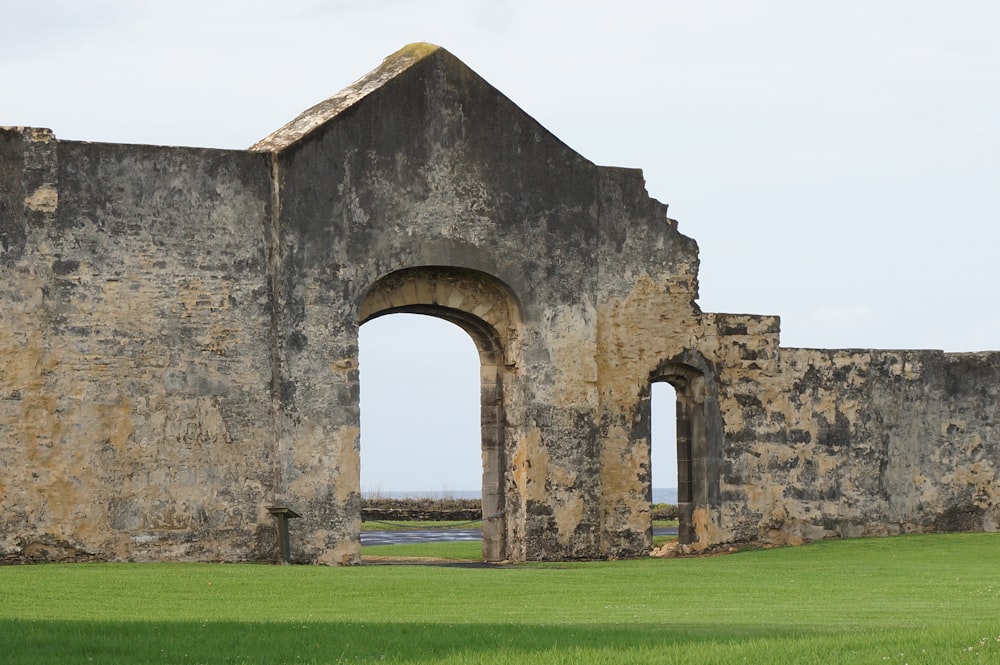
(392, 525)
(912, 599)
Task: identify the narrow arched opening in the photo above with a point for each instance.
(690, 440)
(663, 443)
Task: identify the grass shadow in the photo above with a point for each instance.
(46, 641)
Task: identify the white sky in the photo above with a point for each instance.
(837, 162)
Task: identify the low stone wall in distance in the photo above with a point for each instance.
(441, 510)
(421, 510)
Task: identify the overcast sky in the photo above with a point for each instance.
(837, 162)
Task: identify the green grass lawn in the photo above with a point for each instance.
(463, 550)
(911, 599)
(388, 525)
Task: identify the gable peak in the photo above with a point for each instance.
(309, 120)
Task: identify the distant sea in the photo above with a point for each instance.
(660, 495)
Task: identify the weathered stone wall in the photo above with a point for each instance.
(790, 445)
(647, 290)
(135, 419)
(439, 170)
(861, 442)
(178, 347)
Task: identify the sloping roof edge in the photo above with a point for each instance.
(321, 113)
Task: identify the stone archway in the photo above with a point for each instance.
(489, 312)
(699, 448)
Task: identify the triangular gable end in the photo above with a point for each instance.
(392, 67)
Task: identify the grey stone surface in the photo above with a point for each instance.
(178, 347)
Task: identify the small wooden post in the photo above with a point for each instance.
(283, 513)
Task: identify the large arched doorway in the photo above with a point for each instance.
(486, 309)
(420, 428)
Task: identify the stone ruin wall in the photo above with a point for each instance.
(844, 443)
(441, 187)
(134, 347)
(811, 443)
(178, 348)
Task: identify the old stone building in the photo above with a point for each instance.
(178, 347)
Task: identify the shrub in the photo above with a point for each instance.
(664, 511)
